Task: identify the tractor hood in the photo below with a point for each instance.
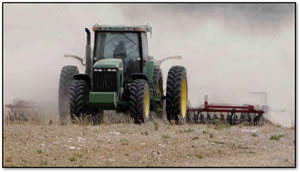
(109, 63)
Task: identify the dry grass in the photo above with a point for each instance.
(119, 142)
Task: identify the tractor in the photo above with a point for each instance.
(120, 75)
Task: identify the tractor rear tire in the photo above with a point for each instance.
(177, 95)
(79, 98)
(139, 103)
(66, 78)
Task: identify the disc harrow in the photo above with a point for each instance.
(19, 110)
(233, 115)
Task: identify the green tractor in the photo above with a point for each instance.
(120, 75)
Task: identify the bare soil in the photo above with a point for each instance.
(154, 144)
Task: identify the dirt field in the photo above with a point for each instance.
(37, 144)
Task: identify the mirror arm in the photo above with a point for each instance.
(75, 57)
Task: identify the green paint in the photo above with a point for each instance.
(109, 63)
(104, 98)
(149, 71)
(115, 64)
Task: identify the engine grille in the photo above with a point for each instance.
(105, 81)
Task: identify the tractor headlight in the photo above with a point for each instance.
(97, 70)
(104, 70)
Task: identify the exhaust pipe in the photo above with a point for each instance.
(88, 52)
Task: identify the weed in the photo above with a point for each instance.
(199, 156)
(44, 163)
(220, 125)
(254, 134)
(276, 137)
(205, 132)
(189, 130)
(149, 165)
(124, 142)
(72, 159)
(211, 135)
(166, 136)
(39, 151)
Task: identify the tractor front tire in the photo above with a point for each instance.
(177, 95)
(65, 80)
(79, 98)
(139, 103)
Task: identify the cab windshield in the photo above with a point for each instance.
(122, 45)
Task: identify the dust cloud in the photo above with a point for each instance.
(229, 50)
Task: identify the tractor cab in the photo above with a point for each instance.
(128, 43)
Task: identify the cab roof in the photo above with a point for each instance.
(125, 28)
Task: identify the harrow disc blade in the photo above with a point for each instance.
(202, 119)
(232, 119)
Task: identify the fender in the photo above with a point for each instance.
(135, 76)
(84, 77)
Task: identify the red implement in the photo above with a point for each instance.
(247, 113)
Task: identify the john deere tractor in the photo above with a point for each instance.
(120, 75)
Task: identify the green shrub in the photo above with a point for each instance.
(276, 137)
(72, 159)
(254, 134)
(166, 136)
(199, 156)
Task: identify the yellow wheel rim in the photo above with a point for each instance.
(147, 104)
(183, 98)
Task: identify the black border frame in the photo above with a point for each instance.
(295, 13)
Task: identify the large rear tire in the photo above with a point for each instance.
(139, 103)
(66, 78)
(79, 98)
(177, 95)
